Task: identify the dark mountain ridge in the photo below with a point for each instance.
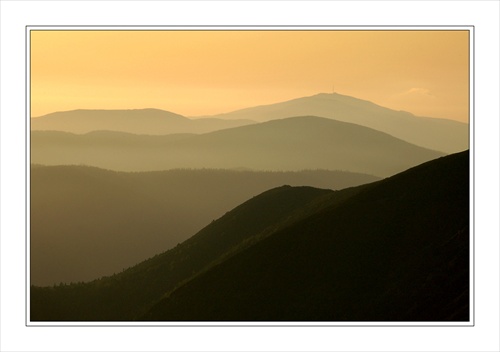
(396, 251)
(393, 250)
(118, 218)
(129, 294)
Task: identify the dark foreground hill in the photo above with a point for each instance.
(138, 121)
(393, 250)
(131, 293)
(290, 144)
(397, 251)
(438, 134)
(88, 222)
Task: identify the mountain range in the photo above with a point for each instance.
(137, 121)
(290, 144)
(118, 219)
(391, 250)
(314, 233)
(444, 135)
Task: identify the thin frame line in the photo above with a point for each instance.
(471, 28)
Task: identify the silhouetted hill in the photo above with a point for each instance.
(138, 121)
(129, 294)
(118, 219)
(438, 134)
(393, 250)
(289, 144)
(397, 251)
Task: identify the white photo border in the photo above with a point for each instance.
(16, 336)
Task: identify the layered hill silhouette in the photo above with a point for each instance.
(88, 222)
(295, 143)
(438, 134)
(392, 250)
(138, 121)
(131, 293)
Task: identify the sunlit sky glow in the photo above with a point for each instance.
(208, 72)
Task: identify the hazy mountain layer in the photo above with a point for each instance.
(88, 222)
(396, 249)
(130, 294)
(289, 144)
(438, 134)
(140, 121)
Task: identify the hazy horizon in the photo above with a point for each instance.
(201, 73)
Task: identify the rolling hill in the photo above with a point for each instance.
(118, 219)
(138, 121)
(392, 250)
(129, 294)
(397, 251)
(438, 134)
(289, 144)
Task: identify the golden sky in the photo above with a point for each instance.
(208, 72)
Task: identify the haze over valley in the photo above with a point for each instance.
(433, 133)
(439, 134)
(118, 219)
(290, 144)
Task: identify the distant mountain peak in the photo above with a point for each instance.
(77, 111)
(138, 121)
(433, 133)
